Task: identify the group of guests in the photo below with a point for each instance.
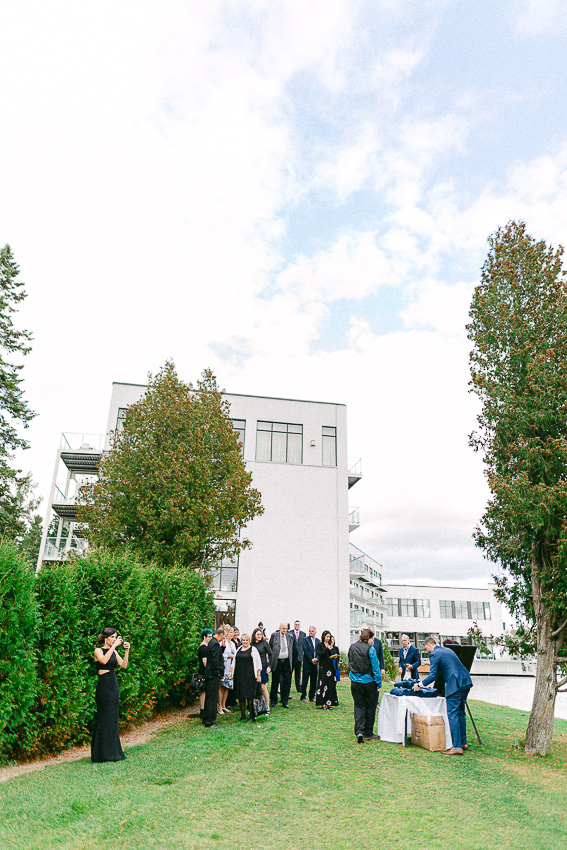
(366, 681)
(236, 670)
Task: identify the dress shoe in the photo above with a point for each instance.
(303, 699)
(360, 739)
(372, 737)
(212, 726)
(285, 706)
(452, 752)
(464, 747)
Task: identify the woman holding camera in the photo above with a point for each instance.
(105, 745)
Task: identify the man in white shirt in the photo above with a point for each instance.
(284, 652)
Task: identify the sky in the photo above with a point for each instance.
(296, 195)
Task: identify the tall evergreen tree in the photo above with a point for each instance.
(14, 409)
(518, 329)
(174, 487)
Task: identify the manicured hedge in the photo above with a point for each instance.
(160, 612)
(18, 627)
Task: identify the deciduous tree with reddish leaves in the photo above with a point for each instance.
(518, 328)
(174, 486)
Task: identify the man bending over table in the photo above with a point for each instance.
(457, 686)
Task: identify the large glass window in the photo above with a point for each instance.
(408, 607)
(329, 446)
(239, 426)
(461, 610)
(279, 442)
(120, 418)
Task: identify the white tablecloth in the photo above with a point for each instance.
(391, 718)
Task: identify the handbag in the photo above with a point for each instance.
(260, 706)
(259, 701)
(198, 682)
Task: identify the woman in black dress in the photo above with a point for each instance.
(105, 745)
(326, 696)
(202, 653)
(263, 647)
(247, 668)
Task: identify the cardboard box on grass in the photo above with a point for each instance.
(428, 731)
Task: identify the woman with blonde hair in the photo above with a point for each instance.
(226, 683)
(247, 669)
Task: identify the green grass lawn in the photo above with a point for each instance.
(298, 780)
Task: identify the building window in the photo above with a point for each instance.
(120, 418)
(479, 610)
(459, 610)
(225, 578)
(279, 442)
(329, 446)
(239, 426)
(408, 607)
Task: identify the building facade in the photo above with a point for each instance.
(298, 566)
(448, 612)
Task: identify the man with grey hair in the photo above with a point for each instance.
(410, 659)
(284, 652)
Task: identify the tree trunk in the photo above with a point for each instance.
(540, 727)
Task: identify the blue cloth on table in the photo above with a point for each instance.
(424, 693)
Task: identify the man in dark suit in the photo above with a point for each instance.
(284, 652)
(310, 643)
(378, 646)
(214, 671)
(457, 686)
(298, 636)
(410, 659)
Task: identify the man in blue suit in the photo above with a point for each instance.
(457, 686)
(310, 643)
(410, 659)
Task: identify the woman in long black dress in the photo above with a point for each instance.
(105, 745)
(202, 653)
(247, 669)
(263, 647)
(326, 696)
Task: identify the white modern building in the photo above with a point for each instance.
(368, 608)
(298, 566)
(449, 612)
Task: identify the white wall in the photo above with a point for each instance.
(298, 565)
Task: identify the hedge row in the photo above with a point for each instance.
(48, 630)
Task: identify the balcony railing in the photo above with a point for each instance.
(53, 552)
(354, 471)
(359, 568)
(75, 441)
(353, 519)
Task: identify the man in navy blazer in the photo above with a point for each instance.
(410, 659)
(298, 636)
(310, 643)
(457, 686)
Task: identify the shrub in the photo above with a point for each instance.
(49, 628)
(18, 624)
